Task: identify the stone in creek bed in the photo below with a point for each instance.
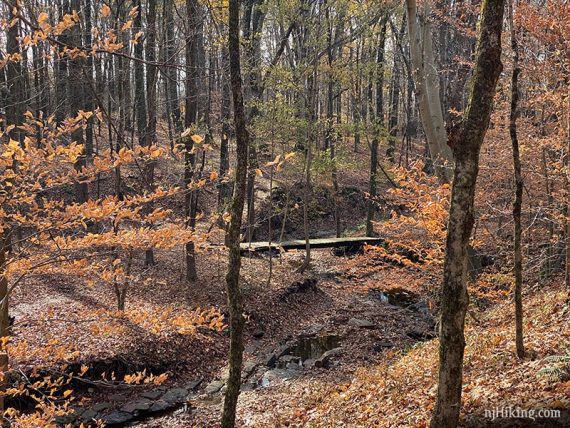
(137, 406)
(89, 415)
(175, 395)
(214, 387)
(152, 395)
(101, 406)
(325, 359)
(361, 323)
(119, 417)
(160, 406)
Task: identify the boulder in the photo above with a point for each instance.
(361, 323)
(309, 363)
(118, 418)
(152, 395)
(160, 406)
(175, 395)
(248, 369)
(89, 415)
(137, 406)
(325, 359)
(214, 386)
(271, 360)
(287, 360)
(305, 286)
(275, 375)
(101, 406)
(380, 346)
(193, 384)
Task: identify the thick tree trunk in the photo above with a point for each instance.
(427, 89)
(467, 146)
(233, 236)
(517, 204)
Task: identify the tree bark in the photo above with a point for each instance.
(252, 25)
(330, 137)
(4, 320)
(171, 76)
(151, 79)
(517, 204)
(140, 95)
(14, 79)
(394, 100)
(75, 96)
(61, 100)
(191, 121)
(89, 104)
(427, 90)
(225, 187)
(379, 127)
(567, 222)
(236, 212)
(466, 149)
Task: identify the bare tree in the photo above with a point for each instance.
(236, 212)
(466, 147)
(517, 204)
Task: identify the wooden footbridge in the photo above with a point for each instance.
(300, 244)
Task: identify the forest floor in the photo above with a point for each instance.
(370, 385)
(380, 370)
(384, 374)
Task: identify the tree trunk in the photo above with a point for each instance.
(61, 99)
(233, 235)
(88, 73)
(427, 90)
(15, 85)
(4, 319)
(330, 137)
(190, 122)
(140, 95)
(252, 25)
(454, 296)
(567, 222)
(379, 126)
(225, 187)
(151, 79)
(547, 268)
(172, 101)
(76, 104)
(394, 101)
(517, 204)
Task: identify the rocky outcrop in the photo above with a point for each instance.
(148, 404)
